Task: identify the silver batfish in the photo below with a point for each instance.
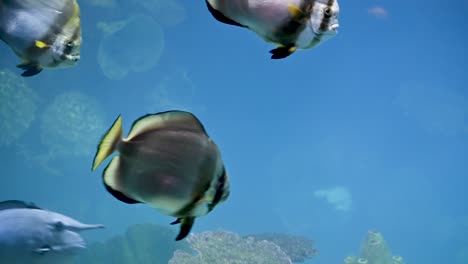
(31, 235)
(289, 24)
(44, 33)
(169, 162)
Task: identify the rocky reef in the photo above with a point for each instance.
(298, 248)
(374, 250)
(154, 244)
(223, 247)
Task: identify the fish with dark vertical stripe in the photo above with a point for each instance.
(44, 33)
(288, 24)
(169, 162)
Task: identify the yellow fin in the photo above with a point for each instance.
(108, 142)
(41, 44)
(295, 12)
(206, 199)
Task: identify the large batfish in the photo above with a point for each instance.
(44, 33)
(169, 162)
(288, 24)
(31, 235)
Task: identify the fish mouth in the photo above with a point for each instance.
(335, 27)
(73, 58)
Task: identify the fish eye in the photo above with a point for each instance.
(328, 12)
(69, 43)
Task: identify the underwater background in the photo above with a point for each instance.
(366, 132)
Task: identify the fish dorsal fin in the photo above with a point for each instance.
(16, 204)
(220, 17)
(173, 119)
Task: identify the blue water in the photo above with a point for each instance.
(379, 114)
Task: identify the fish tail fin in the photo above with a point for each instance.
(108, 143)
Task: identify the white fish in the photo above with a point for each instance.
(44, 33)
(31, 235)
(169, 162)
(289, 24)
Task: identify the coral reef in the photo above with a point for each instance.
(118, 58)
(166, 12)
(362, 261)
(397, 260)
(142, 244)
(374, 250)
(226, 247)
(350, 260)
(17, 107)
(298, 248)
(72, 124)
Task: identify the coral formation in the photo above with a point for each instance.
(118, 58)
(374, 250)
(142, 244)
(72, 124)
(362, 261)
(166, 12)
(397, 260)
(298, 248)
(226, 247)
(17, 107)
(350, 260)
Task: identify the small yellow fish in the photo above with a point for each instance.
(288, 24)
(44, 33)
(169, 162)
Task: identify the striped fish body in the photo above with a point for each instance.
(168, 162)
(168, 170)
(44, 33)
(291, 24)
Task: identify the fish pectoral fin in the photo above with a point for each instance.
(206, 199)
(177, 221)
(111, 172)
(108, 142)
(220, 17)
(41, 44)
(185, 227)
(30, 68)
(295, 12)
(282, 52)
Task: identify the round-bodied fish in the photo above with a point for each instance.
(169, 162)
(44, 33)
(32, 235)
(289, 24)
